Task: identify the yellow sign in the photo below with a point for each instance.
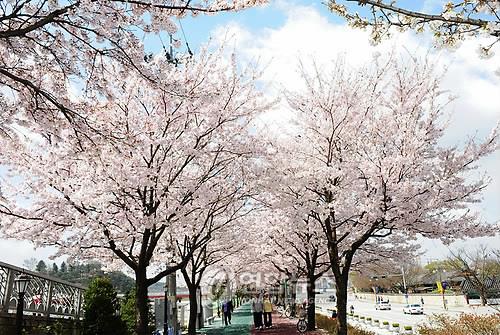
(440, 287)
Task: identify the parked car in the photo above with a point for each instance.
(413, 309)
(383, 305)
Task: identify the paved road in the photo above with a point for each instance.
(396, 314)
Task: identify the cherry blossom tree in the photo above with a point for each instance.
(144, 189)
(456, 21)
(51, 51)
(228, 226)
(299, 251)
(367, 165)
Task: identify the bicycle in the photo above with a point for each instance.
(302, 323)
(286, 312)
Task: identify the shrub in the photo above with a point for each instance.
(330, 325)
(128, 313)
(408, 328)
(395, 325)
(385, 323)
(376, 321)
(356, 315)
(100, 309)
(368, 319)
(465, 324)
(362, 318)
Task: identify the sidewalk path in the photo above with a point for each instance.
(241, 322)
(283, 326)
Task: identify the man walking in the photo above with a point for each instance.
(226, 309)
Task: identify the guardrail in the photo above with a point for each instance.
(47, 296)
(375, 324)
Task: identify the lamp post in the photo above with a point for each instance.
(22, 283)
(440, 271)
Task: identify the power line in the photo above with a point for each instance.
(185, 39)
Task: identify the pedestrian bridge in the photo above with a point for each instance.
(45, 296)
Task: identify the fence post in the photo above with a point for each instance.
(49, 299)
(9, 287)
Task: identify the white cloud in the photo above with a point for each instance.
(16, 252)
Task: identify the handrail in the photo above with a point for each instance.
(44, 294)
(41, 275)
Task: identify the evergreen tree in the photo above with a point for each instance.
(41, 267)
(55, 269)
(100, 309)
(128, 313)
(63, 267)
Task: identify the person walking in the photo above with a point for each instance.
(257, 309)
(226, 309)
(268, 310)
(352, 309)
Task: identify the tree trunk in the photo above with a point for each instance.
(141, 302)
(311, 299)
(193, 310)
(483, 296)
(341, 291)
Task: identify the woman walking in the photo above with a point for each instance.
(268, 310)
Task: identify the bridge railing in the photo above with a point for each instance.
(44, 295)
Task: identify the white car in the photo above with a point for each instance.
(383, 305)
(413, 309)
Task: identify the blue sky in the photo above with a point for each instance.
(284, 31)
(199, 29)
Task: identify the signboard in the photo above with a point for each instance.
(439, 287)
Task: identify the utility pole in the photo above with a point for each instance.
(440, 285)
(404, 285)
(442, 290)
(199, 305)
(286, 292)
(171, 305)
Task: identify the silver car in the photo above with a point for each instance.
(413, 309)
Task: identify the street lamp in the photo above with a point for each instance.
(404, 285)
(22, 283)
